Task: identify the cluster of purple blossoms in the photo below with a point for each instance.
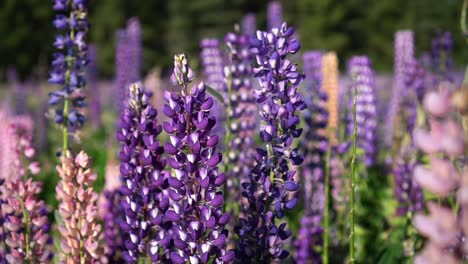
(404, 51)
(145, 200)
(360, 70)
(249, 25)
(198, 222)
(441, 57)
(213, 70)
(95, 104)
(314, 145)
(269, 191)
(68, 65)
(242, 107)
(274, 15)
(407, 191)
(128, 61)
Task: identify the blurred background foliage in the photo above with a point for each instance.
(348, 27)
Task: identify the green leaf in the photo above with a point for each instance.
(217, 95)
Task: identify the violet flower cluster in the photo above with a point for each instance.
(407, 191)
(249, 24)
(95, 104)
(274, 15)
(314, 145)
(79, 229)
(404, 51)
(145, 200)
(198, 222)
(69, 63)
(441, 57)
(360, 70)
(243, 110)
(445, 144)
(128, 61)
(269, 191)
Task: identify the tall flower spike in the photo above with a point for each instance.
(198, 229)
(145, 198)
(134, 39)
(360, 70)
(95, 104)
(441, 57)
(269, 191)
(444, 143)
(314, 145)
(121, 69)
(25, 216)
(330, 86)
(274, 15)
(69, 63)
(249, 25)
(78, 209)
(19, 92)
(26, 224)
(7, 156)
(404, 52)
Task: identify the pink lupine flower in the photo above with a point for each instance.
(79, 231)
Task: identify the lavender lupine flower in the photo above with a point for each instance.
(249, 25)
(2, 221)
(22, 130)
(19, 92)
(243, 108)
(213, 70)
(69, 63)
(360, 70)
(314, 145)
(198, 229)
(122, 70)
(80, 232)
(407, 191)
(404, 51)
(95, 107)
(145, 198)
(26, 224)
(271, 182)
(445, 229)
(274, 15)
(441, 57)
(135, 49)
(7, 156)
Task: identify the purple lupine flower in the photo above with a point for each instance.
(314, 145)
(145, 198)
(249, 25)
(95, 107)
(69, 63)
(243, 108)
(19, 92)
(441, 57)
(213, 70)
(122, 69)
(404, 51)
(407, 191)
(274, 15)
(2, 221)
(27, 234)
(198, 229)
(360, 69)
(113, 234)
(79, 231)
(271, 182)
(134, 39)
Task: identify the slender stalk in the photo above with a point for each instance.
(27, 232)
(463, 20)
(352, 185)
(326, 216)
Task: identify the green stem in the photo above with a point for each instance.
(463, 20)
(27, 227)
(352, 186)
(326, 217)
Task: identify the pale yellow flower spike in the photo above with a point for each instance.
(330, 86)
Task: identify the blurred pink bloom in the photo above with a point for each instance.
(440, 226)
